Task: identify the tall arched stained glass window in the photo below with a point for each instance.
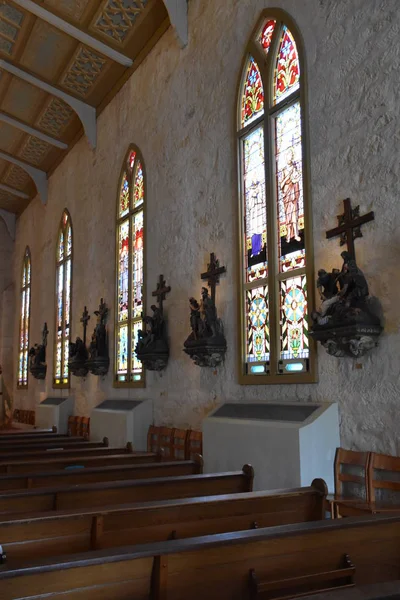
(63, 302)
(24, 320)
(275, 215)
(130, 269)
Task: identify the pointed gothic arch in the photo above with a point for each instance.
(275, 221)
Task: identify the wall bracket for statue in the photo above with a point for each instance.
(37, 357)
(78, 352)
(98, 362)
(206, 345)
(347, 323)
(152, 347)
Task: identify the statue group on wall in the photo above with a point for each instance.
(37, 357)
(94, 359)
(206, 344)
(347, 323)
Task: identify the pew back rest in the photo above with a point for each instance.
(194, 444)
(384, 479)
(351, 474)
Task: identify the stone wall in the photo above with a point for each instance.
(7, 313)
(178, 107)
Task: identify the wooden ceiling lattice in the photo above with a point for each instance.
(55, 51)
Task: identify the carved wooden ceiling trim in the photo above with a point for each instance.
(30, 43)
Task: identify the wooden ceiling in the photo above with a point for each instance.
(68, 64)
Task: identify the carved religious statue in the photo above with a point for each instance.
(206, 345)
(37, 357)
(99, 359)
(152, 346)
(78, 353)
(347, 323)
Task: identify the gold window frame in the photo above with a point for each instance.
(26, 264)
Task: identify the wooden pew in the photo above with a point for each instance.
(61, 461)
(94, 475)
(285, 561)
(17, 441)
(75, 444)
(351, 479)
(10, 457)
(87, 529)
(124, 492)
(30, 433)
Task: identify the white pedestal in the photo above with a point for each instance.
(288, 445)
(55, 411)
(122, 421)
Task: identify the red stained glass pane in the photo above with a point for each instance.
(137, 265)
(266, 35)
(131, 159)
(253, 94)
(123, 270)
(287, 74)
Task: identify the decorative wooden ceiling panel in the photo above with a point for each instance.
(60, 62)
(46, 49)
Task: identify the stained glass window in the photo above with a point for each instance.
(130, 269)
(24, 321)
(63, 299)
(274, 240)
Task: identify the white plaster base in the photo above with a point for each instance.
(55, 411)
(122, 426)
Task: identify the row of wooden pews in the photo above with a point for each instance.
(160, 529)
(24, 416)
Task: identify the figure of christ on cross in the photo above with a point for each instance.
(212, 274)
(161, 292)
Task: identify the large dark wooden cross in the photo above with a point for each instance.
(85, 319)
(212, 274)
(349, 226)
(161, 292)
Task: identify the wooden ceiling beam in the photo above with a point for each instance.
(85, 112)
(39, 177)
(13, 191)
(74, 32)
(9, 219)
(178, 16)
(32, 131)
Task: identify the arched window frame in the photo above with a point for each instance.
(24, 323)
(267, 65)
(64, 261)
(134, 377)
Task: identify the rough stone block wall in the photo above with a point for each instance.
(178, 107)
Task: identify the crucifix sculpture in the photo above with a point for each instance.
(161, 292)
(212, 274)
(84, 320)
(349, 226)
(45, 333)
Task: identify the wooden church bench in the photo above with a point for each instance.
(22, 441)
(383, 488)
(73, 424)
(178, 444)
(111, 473)
(60, 461)
(32, 433)
(217, 566)
(81, 530)
(71, 444)
(123, 492)
(351, 479)
(152, 439)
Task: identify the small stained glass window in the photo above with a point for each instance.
(253, 94)
(266, 35)
(63, 299)
(24, 321)
(130, 268)
(273, 211)
(287, 75)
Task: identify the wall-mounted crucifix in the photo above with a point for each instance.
(84, 320)
(349, 226)
(161, 292)
(212, 274)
